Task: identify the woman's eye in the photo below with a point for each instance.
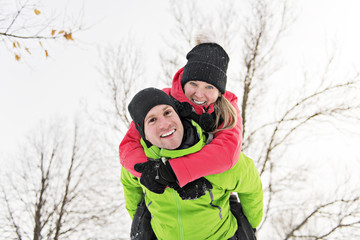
(167, 113)
(209, 87)
(151, 120)
(192, 84)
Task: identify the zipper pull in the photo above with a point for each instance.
(164, 159)
(157, 177)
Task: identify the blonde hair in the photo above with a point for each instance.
(225, 111)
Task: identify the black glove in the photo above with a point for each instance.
(193, 190)
(156, 176)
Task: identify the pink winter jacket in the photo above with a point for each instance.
(218, 156)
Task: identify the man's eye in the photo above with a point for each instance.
(192, 84)
(209, 87)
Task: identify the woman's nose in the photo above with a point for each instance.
(199, 93)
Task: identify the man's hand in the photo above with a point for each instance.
(193, 190)
(156, 176)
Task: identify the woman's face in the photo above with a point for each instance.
(163, 127)
(201, 93)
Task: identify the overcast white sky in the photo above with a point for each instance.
(38, 88)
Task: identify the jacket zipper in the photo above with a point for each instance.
(181, 230)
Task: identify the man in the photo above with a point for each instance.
(208, 216)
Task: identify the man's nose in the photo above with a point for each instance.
(164, 123)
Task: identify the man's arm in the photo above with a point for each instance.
(132, 191)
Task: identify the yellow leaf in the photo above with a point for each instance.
(18, 44)
(53, 32)
(17, 57)
(28, 50)
(14, 45)
(68, 36)
(40, 44)
(62, 31)
(37, 12)
(46, 53)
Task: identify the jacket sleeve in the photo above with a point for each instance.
(244, 179)
(218, 156)
(130, 150)
(132, 191)
(250, 192)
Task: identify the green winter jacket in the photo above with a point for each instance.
(208, 217)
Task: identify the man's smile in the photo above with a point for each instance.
(168, 133)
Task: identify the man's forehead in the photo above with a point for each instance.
(162, 107)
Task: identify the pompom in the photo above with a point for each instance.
(184, 109)
(205, 36)
(207, 122)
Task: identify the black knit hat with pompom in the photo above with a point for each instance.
(207, 62)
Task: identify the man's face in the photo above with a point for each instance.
(163, 127)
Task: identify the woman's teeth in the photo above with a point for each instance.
(168, 133)
(197, 102)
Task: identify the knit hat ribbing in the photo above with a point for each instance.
(143, 102)
(207, 62)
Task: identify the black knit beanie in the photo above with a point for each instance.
(207, 62)
(143, 102)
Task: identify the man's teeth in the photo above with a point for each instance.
(197, 102)
(168, 133)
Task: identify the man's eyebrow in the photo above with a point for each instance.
(166, 107)
(150, 116)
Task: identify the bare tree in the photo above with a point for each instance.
(25, 28)
(186, 24)
(251, 32)
(260, 26)
(171, 59)
(56, 191)
(122, 72)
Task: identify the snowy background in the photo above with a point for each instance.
(38, 88)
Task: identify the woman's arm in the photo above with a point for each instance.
(130, 150)
(218, 156)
